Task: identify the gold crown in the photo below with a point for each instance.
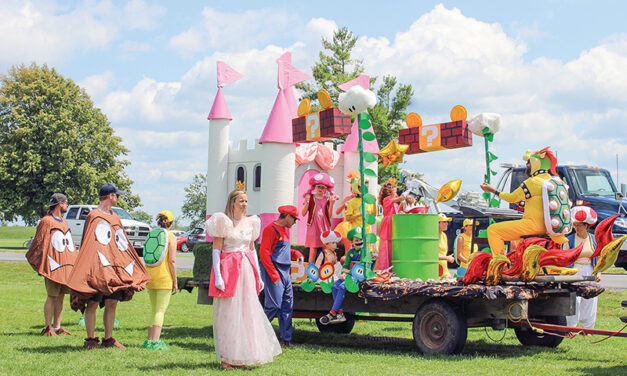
(240, 186)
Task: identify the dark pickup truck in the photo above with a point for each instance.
(589, 186)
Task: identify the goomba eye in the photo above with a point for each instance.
(70, 242)
(57, 241)
(103, 233)
(120, 240)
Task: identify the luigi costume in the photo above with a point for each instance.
(275, 260)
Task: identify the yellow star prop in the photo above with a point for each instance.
(393, 153)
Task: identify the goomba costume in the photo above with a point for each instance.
(107, 263)
(52, 253)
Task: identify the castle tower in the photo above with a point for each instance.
(218, 154)
(278, 164)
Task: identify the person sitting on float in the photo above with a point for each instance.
(352, 216)
(412, 204)
(542, 165)
(586, 309)
(319, 201)
(330, 239)
(443, 255)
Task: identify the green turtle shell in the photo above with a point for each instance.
(155, 247)
(556, 207)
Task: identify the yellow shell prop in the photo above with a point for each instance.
(448, 191)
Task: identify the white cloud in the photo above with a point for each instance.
(97, 84)
(133, 46)
(139, 15)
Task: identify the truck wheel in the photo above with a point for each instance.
(342, 328)
(528, 337)
(438, 329)
(184, 247)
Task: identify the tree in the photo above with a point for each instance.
(142, 216)
(195, 202)
(336, 67)
(53, 139)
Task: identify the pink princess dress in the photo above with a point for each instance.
(318, 221)
(242, 333)
(385, 233)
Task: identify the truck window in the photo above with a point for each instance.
(84, 212)
(71, 214)
(123, 214)
(594, 182)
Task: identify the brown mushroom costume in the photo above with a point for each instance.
(52, 253)
(107, 263)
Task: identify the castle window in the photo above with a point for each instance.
(240, 175)
(257, 177)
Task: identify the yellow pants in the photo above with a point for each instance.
(499, 233)
(159, 300)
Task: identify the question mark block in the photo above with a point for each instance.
(321, 126)
(433, 137)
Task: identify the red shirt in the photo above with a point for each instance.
(269, 240)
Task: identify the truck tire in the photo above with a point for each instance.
(342, 328)
(438, 329)
(528, 337)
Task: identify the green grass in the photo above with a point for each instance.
(188, 332)
(615, 270)
(12, 239)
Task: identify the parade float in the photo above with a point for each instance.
(512, 290)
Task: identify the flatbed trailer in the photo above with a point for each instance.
(442, 311)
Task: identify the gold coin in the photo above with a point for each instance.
(413, 120)
(325, 99)
(459, 113)
(304, 107)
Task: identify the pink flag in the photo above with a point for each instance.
(363, 81)
(288, 74)
(226, 74)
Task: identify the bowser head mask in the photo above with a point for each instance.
(541, 161)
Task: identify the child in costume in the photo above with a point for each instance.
(443, 256)
(389, 201)
(162, 270)
(318, 207)
(52, 255)
(412, 204)
(336, 315)
(353, 217)
(330, 239)
(464, 242)
(585, 309)
(536, 219)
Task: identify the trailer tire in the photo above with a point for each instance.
(342, 328)
(528, 337)
(438, 329)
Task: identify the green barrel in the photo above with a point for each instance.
(415, 241)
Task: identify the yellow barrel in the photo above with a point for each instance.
(415, 241)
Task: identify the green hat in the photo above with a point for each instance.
(355, 232)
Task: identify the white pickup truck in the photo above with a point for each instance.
(135, 230)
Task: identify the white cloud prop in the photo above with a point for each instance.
(488, 120)
(356, 100)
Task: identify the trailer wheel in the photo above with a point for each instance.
(438, 329)
(528, 337)
(342, 328)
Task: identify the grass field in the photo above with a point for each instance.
(188, 332)
(12, 239)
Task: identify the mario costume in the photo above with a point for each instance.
(275, 258)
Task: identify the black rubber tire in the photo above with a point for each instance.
(184, 247)
(342, 328)
(439, 329)
(528, 337)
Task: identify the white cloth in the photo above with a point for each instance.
(585, 309)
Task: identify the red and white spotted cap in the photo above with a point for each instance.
(330, 237)
(583, 214)
(322, 179)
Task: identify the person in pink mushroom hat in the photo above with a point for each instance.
(318, 208)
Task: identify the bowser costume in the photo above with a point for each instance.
(534, 221)
(275, 256)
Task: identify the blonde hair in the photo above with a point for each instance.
(228, 210)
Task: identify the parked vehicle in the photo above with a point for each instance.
(177, 233)
(589, 186)
(181, 242)
(136, 231)
(196, 235)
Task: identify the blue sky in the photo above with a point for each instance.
(554, 70)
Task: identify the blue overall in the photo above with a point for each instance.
(279, 300)
(339, 287)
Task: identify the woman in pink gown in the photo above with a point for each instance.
(242, 333)
(389, 201)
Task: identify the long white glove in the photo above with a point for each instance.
(219, 282)
(258, 268)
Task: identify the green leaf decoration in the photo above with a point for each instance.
(371, 219)
(369, 157)
(364, 124)
(486, 196)
(370, 172)
(493, 172)
(494, 203)
(371, 238)
(492, 157)
(307, 285)
(364, 189)
(368, 136)
(364, 116)
(351, 285)
(369, 199)
(489, 137)
(369, 274)
(486, 178)
(326, 286)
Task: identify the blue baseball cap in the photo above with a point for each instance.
(109, 188)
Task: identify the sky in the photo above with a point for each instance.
(554, 70)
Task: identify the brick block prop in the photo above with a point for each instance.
(320, 126)
(452, 135)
